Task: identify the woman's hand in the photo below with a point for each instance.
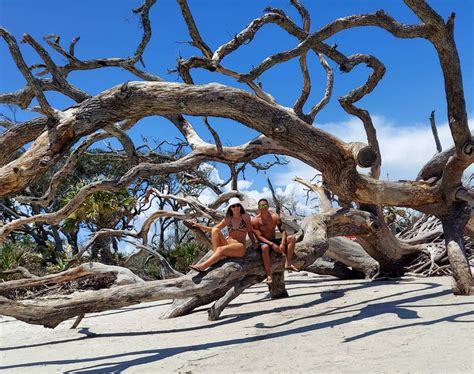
(147, 196)
(276, 248)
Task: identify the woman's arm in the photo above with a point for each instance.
(220, 226)
(202, 227)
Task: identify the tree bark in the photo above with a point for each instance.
(453, 232)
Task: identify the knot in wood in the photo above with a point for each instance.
(374, 225)
(124, 91)
(468, 148)
(45, 161)
(366, 157)
(279, 129)
(346, 67)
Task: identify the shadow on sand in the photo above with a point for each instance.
(366, 309)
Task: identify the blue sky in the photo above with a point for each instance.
(401, 104)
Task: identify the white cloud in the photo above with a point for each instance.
(214, 176)
(404, 149)
(243, 185)
(207, 196)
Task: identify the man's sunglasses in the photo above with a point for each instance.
(264, 206)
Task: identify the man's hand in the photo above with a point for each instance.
(255, 246)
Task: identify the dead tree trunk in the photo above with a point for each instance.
(454, 237)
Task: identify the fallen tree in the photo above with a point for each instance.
(437, 192)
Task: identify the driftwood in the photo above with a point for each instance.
(353, 255)
(115, 275)
(224, 276)
(327, 266)
(285, 131)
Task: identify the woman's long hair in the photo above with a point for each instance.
(230, 214)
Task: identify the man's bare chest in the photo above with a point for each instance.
(266, 225)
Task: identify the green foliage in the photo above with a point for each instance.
(19, 253)
(58, 266)
(184, 255)
(101, 209)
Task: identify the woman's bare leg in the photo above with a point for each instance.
(217, 238)
(233, 249)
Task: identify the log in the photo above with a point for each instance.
(351, 254)
(122, 276)
(326, 266)
(224, 275)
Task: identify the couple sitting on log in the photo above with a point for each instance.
(239, 224)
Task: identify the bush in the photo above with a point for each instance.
(184, 255)
(20, 253)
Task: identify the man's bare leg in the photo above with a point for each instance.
(290, 249)
(266, 262)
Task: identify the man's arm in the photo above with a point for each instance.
(261, 238)
(250, 231)
(258, 233)
(282, 230)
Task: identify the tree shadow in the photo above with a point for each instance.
(123, 361)
(231, 318)
(225, 320)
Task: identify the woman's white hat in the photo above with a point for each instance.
(232, 201)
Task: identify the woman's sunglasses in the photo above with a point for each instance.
(235, 206)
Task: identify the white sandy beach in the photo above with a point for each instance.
(326, 326)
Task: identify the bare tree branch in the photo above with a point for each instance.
(144, 11)
(303, 13)
(193, 31)
(435, 132)
(32, 82)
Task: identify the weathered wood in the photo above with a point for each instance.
(215, 311)
(277, 287)
(351, 254)
(453, 231)
(325, 266)
(284, 131)
(20, 269)
(122, 276)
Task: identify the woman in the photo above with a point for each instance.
(238, 224)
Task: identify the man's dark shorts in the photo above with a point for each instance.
(276, 241)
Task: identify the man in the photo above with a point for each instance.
(264, 228)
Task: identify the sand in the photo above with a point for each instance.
(326, 326)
